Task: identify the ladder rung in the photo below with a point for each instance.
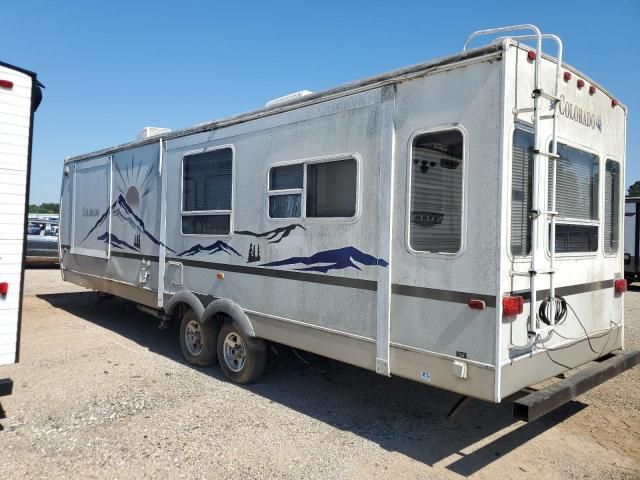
(544, 271)
(517, 111)
(541, 93)
(547, 117)
(545, 154)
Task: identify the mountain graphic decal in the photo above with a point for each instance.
(121, 210)
(338, 259)
(216, 247)
(116, 242)
(274, 236)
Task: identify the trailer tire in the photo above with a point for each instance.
(242, 358)
(198, 340)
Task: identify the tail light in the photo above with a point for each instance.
(580, 83)
(4, 288)
(567, 76)
(620, 285)
(512, 305)
(6, 84)
(476, 304)
(531, 55)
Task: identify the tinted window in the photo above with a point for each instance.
(331, 189)
(207, 187)
(436, 192)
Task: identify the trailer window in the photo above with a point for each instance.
(576, 200)
(611, 207)
(576, 197)
(206, 190)
(576, 184)
(521, 174)
(331, 189)
(285, 191)
(436, 192)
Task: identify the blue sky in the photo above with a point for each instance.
(113, 67)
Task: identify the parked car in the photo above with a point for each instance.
(42, 241)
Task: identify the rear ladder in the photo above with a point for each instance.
(539, 212)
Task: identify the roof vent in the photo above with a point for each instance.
(288, 98)
(147, 132)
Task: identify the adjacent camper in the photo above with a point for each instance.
(455, 222)
(20, 95)
(632, 239)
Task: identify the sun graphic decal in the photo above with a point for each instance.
(136, 179)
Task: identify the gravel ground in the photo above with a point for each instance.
(102, 393)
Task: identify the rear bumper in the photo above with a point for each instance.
(540, 402)
(530, 369)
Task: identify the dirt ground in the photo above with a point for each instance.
(102, 393)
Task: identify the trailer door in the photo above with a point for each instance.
(91, 221)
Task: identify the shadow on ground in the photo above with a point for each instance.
(399, 415)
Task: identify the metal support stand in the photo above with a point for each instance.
(459, 407)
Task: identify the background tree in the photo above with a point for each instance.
(45, 208)
(634, 189)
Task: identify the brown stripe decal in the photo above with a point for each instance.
(441, 295)
(568, 290)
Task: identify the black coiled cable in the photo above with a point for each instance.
(560, 310)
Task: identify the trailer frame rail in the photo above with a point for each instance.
(536, 404)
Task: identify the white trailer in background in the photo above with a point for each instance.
(398, 223)
(632, 239)
(20, 96)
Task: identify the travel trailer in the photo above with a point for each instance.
(632, 239)
(444, 222)
(20, 95)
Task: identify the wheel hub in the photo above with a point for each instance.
(193, 338)
(234, 352)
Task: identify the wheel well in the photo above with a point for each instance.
(218, 319)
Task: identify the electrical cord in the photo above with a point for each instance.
(562, 315)
(560, 310)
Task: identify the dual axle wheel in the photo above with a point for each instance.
(242, 358)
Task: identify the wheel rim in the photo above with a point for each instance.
(193, 338)
(234, 352)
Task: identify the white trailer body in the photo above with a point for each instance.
(19, 97)
(382, 223)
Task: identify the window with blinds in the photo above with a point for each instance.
(577, 186)
(206, 192)
(611, 207)
(576, 197)
(436, 192)
(521, 175)
(330, 190)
